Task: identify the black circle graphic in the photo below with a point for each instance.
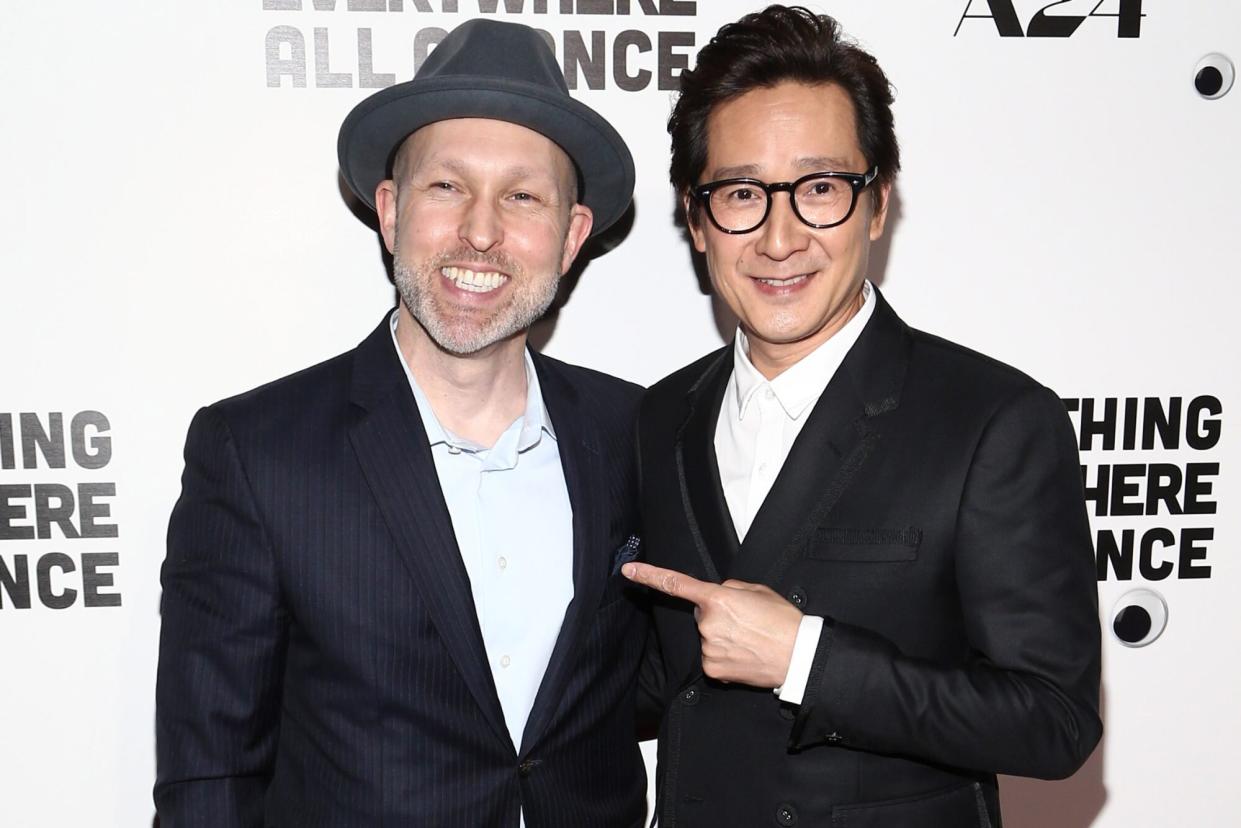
(1209, 81)
(1139, 617)
(1132, 624)
(1213, 77)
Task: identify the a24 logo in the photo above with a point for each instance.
(1126, 13)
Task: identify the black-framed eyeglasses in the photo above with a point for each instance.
(820, 199)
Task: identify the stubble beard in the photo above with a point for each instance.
(464, 331)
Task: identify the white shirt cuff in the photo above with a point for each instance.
(794, 687)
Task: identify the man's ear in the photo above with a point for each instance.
(693, 221)
(581, 220)
(879, 218)
(385, 208)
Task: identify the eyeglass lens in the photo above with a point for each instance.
(743, 205)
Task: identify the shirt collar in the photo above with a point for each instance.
(797, 388)
(531, 425)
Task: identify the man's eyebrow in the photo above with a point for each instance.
(815, 163)
(740, 171)
(823, 163)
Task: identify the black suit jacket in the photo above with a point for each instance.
(932, 511)
(321, 663)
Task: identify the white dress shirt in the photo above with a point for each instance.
(514, 525)
(759, 420)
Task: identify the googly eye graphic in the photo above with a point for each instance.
(1213, 76)
(1139, 617)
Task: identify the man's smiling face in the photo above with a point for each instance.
(481, 220)
(792, 286)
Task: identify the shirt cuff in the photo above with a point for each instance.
(807, 641)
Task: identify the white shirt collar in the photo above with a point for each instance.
(797, 388)
(533, 422)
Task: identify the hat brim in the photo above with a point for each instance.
(375, 128)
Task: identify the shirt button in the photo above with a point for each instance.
(502, 562)
(769, 394)
(505, 661)
(453, 449)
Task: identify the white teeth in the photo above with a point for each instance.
(785, 282)
(474, 281)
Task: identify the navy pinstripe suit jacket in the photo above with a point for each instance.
(320, 659)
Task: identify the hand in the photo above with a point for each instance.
(747, 630)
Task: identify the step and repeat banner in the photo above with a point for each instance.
(174, 231)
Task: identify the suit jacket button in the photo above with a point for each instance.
(527, 767)
(690, 696)
(798, 597)
(786, 815)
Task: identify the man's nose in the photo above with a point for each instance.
(783, 234)
(482, 227)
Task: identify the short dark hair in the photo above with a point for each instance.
(763, 49)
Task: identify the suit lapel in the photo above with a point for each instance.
(581, 462)
(839, 435)
(698, 471)
(831, 446)
(393, 451)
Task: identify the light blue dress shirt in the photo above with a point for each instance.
(514, 525)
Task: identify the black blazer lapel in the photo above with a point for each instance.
(581, 462)
(835, 442)
(392, 449)
(698, 471)
(831, 446)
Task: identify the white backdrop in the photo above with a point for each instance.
(173, 232)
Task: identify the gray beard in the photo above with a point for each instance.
(464, 333)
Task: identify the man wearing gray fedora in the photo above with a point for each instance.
(392, 591)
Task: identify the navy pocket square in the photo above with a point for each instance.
(628, 551)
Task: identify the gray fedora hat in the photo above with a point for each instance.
(489, 69)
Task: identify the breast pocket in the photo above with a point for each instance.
(865, 545)
(618, 586)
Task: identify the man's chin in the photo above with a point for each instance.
(471, 343)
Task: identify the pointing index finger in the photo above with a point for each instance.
(669, 582)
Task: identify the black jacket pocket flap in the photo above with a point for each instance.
(960, 807)
(835, 544)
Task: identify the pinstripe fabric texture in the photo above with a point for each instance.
(320, 660)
